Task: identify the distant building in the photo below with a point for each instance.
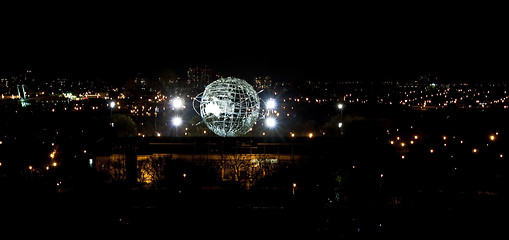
(199, 77)
(4, 82)
(263, 82)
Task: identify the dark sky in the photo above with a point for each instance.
(290, 42)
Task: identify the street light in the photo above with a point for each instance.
(271, 103)
(270, 122)
(177, 103)
(112, 105)
(176, 121)
(340, 125)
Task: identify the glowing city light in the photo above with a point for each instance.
(112, 104)
(340, 124)
(340, 106)
(492, 137)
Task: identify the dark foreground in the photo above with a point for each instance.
(364, 184)
(245, 215)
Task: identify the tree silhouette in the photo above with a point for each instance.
(123, 125)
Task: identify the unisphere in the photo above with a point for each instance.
(229, 107)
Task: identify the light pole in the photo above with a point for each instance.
(112, 105)
(270, 121)
(340, 107)
(340, 125)
(176, 121)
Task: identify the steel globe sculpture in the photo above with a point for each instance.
(229, 107)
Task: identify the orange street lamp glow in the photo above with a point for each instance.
(492, 137)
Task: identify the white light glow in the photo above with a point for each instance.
(270, 122)
(177, 103)
(176, 121)
(271, 103)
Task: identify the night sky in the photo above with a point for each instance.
(335, 42)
